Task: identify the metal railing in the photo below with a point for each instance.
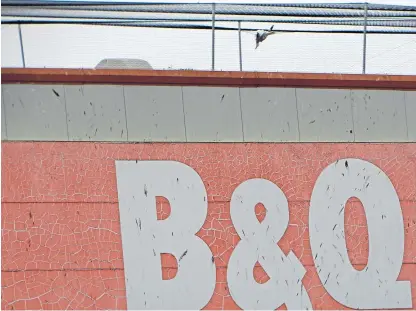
(353, 18)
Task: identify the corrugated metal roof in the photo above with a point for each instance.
(322, 10)
(394, 18)
(202, 6)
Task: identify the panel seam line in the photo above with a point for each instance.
(352, 115)
(66, 112)
(241, 114)
(405, 116)
(125, 114)
(183, 111)
(297, 112)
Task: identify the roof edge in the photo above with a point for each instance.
(206, 78)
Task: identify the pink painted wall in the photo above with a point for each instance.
(61, 242)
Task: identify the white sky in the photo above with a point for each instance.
(78, 46)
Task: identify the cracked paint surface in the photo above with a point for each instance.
(63, 289)
(56, 236)
(85, 172)
(61, 241)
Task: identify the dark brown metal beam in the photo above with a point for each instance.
(206, 78)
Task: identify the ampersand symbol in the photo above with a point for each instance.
(259, 244)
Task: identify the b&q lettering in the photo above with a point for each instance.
(145, 238)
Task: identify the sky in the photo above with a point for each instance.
(80, 46)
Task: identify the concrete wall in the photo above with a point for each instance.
(205, 114)
(321, 215)
(64, 246)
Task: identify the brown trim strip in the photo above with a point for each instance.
(206, 78)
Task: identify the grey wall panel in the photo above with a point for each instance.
(96, 112)
(410, 98)
(155, 113)
(379, 115)
(324, 115)
(3, 118)
(269, 114)
(212, 114)
(35, 112)
(205, 114)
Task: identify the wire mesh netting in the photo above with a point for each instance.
(306, 37)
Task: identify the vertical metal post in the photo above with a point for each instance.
(213, 38)
(239, 46)
(365, 37)
(21, 46)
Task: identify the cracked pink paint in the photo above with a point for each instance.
(61, 241)
(63, 289)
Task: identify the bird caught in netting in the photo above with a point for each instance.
(261, 35)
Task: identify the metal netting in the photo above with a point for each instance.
(301, 21)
